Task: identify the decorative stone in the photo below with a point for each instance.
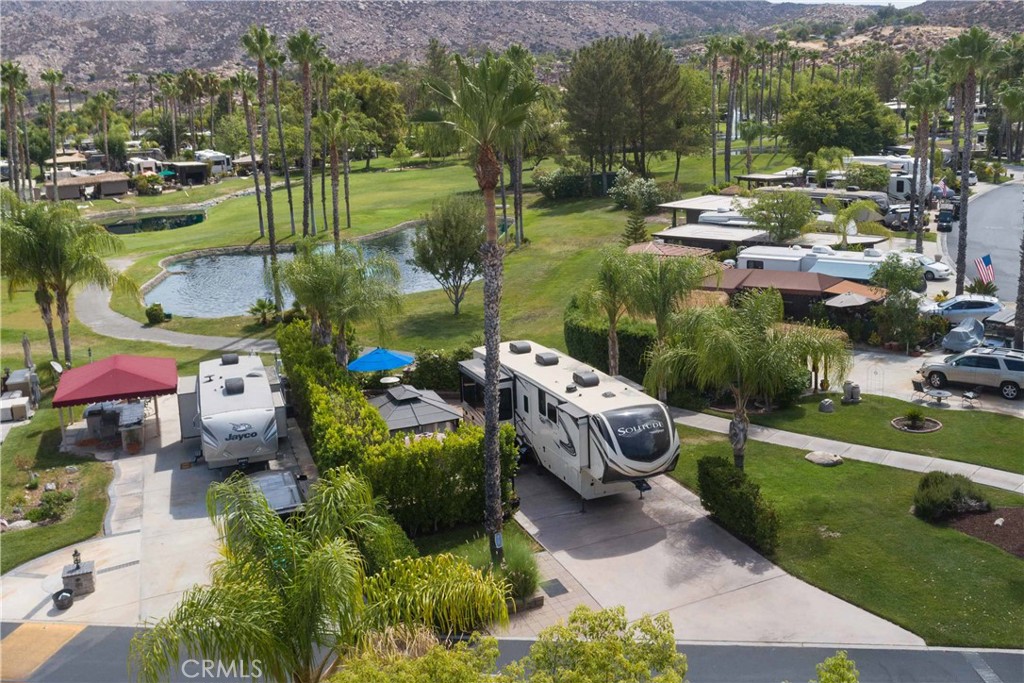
(20, 524)
(70, 469)
(827, 406)
(999, 522)
(50, 486)
(80, 578)
(824, 459)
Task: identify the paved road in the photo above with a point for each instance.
(996, 223)
(98, 654)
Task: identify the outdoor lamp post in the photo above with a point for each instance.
(76, 557)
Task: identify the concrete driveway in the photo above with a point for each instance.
(158, 541)
(663, 554)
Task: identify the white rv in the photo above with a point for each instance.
(219, 162)
(901, 170)
(238, 412)
(849, 265)
(598, 434)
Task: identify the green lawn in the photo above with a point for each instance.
(977, 437)
(458, 540)
(947, 587)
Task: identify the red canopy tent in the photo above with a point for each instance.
(116, 377)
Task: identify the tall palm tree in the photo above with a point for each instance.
(610, 295)
(714, 47)
(151, 83)
(69, 90)
(762, 48)
(329, 125)
(275, 60)
(246, 84)
(190, 87)
(134, 80)
(659, 288)
(305, 49)
(169, 91)
(212, 88)
(351, 131)
(260, 43)
(489, 105)
(735, 49)
(53, 78)
(743, 350)
(23, 257)
(323, 73)
(104, 103)
(12, 75)
(293, 595)
(973, 52)
(926, 96)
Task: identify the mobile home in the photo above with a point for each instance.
(598, 434)
(239, 414)
(845, 197)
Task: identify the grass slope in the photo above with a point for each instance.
(867, 423)
(947, 587)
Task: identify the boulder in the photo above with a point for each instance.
(50, 486)
(824, 459)
(827, 406)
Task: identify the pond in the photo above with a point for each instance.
(133, 224)
(227, 285)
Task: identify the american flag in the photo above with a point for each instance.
(985, 270)
(942, 187)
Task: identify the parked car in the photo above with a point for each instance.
(933, 270)
(972, 177)
(969, 334)
(958, 308)
(999, 368)
(897, 216)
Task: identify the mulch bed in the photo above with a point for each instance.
(1009, 536)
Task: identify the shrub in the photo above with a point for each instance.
(52, 505)
(632, 191)
(736, 503)
(941, 495)
(33, 483)
(382, 547)
(520, 570)
(797, 381)
(342, 425)
(147, 187)
(914, 418)
(586, 340)
(155, 314)
(438, 369)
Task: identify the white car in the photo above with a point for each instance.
(933, 270)
(957, 308)
(972, 177)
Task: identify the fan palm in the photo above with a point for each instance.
(744, 351)
(245, 83)
(610, 294)
(351, 131)
(293, 595)
(190, 85)
(13, 77)
(489, 105)
(261, 44)
(329, 124)
(305, 49)
(275, 60)
(736, 49)
(323, 72)
(169, 91)
(926, 96)
(134, 80)
(53, 78)
(212, 87)
(714, 47)
(104, 103)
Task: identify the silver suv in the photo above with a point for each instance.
(1000, 368)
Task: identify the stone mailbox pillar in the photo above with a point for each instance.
(80, 576)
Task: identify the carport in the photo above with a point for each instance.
(118, 377)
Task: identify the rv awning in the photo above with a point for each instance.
(117, 377)
(843, 270)
(474, 368)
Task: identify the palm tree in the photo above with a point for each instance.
(190, 87)
(351, 132)
(212, 88)
(134, 80)
(762, 47)
(735, 49)
(261, 44)
(12, 75)
(305, 49)
(293, 595)
(151, 82)
(610, 294)
(343, 287)
(714, 47)
(246, 84)
(275, 60)
(926, 96)
(69, 90)
(749, 131)
(329, 124)
(742, 350)
(169, 91)
(659, 288)
(973, 53)
(53, 78)
(104, 103)
(323, 72)
(23, 258)
(489, 105)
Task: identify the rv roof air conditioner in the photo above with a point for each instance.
(872, 252)
(570, 388)
(254, 373)
(585, 378)
(234, 385)
(519, 347)
(229, 359)
(547, 358)
(821, 249)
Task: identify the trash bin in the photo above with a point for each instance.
(63, 598)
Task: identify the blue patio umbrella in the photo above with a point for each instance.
(380, 359)
(167, 173)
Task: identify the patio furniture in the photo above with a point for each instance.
(919, 390)
(971, 397)
(938, 395)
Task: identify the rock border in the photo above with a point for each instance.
(931, 425)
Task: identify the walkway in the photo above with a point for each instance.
(92, 307)
(1009, 481)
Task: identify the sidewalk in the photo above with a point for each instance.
(1009, 481)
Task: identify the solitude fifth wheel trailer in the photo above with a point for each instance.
(596, 433)
(240, 415)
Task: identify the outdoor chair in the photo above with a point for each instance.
(971, 397)
(919, 390)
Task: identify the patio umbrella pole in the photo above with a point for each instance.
(156, 403)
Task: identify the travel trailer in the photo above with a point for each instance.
(240, 415)
(219, 162)
(849, 265)
(598, 434)
(901, 169)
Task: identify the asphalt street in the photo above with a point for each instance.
(996, 223)
(99, 655)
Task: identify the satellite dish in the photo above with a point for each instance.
(57, 367)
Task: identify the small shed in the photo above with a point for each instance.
(420, 411)
(103, 185)
(189, 172)
(713, 237)
(693, 207)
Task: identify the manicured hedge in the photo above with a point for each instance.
(342, 425)
(586, 340)
(736, 503)
(438, 369)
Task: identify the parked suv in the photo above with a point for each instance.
(998, 368)
(957, 308)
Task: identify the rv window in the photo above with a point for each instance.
(526, 404)
(552, 409)
(505, 404)
(755, 265)
(542, 404)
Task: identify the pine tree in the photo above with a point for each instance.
(636, 228)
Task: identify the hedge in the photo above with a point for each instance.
(941, 496)
(586, 340)
(736, 503)
(438, 369)
(383, 546)
(342, 425)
